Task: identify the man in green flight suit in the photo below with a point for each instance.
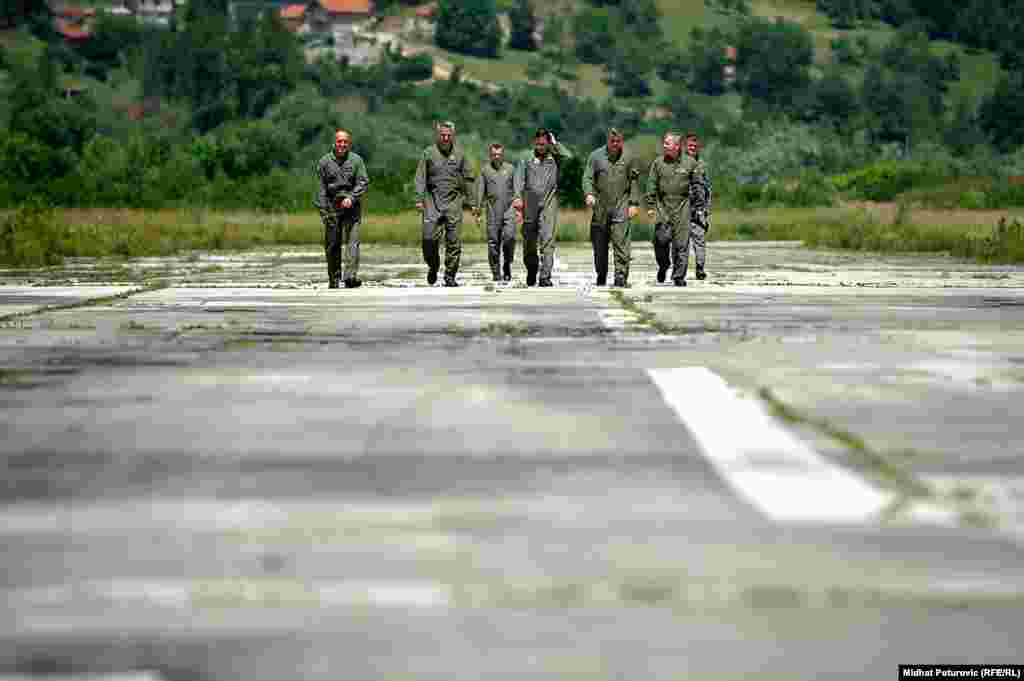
(444, 180)
(668, 202)
(341, 183)
(611, 186)
(494, 190)
(536, 199)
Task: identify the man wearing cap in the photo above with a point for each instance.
(444, 181)
(536, 199)
(611, 187)
(341, 183)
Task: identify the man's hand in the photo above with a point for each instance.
(633, 211)
(651, 213)
(419, 206)
(475, 211)
(345, 202)
(518, 204)
(590, 200)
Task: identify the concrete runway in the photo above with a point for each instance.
(213, 467)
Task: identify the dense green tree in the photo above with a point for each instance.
(468, 26)
(702, 66)
(643, 21)
(847, 13)
(629, 69)
(831, 101)
(523, 24)
(773, 60)
(596, 30)
(1002, 114)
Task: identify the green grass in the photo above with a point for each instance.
(972, 234)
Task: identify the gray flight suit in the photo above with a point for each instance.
(668, 192)
(339, 178)
(495, 188)
(700, 214)
(443, 183)
(615, 183)
(536, 184)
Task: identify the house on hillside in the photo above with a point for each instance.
(157, 12)
(73, 23)
(338, 17)
(293, 17)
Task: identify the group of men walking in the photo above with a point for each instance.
(677, 195)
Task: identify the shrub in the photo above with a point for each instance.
(32, 236)
(883, 181)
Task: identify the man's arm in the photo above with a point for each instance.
(467, 183)
(362, 179)
(519, 184)
(420, 181)
(700, 195)
(588, 177)
(651, 195)
(481, 191)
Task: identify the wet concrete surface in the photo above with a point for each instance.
(243, 474)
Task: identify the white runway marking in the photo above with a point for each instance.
(771, 469)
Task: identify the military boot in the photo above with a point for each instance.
(531, 277)
(508, 251)
(700, 272)
(353, 283)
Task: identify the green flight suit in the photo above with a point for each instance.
(495, 188)
(668, 192)
(339, 178)
(443, 183)
(536, 184)
(615, 183)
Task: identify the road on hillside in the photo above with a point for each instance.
(807, 465)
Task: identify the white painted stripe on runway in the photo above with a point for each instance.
(770, 468)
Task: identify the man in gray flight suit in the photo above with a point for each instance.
(700, 204)
(611, 186)
(536, 199)
(668, 202)
(341, 182)
(494, 190)
(444, 181)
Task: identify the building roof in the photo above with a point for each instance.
(72, 31)
(73, 11)
(426, 11)
(293, 11)
(347, 6)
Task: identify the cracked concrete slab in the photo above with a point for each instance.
(247, 475)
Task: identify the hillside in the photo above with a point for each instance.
(980, 70)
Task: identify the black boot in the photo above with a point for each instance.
(431, 256)
(353, 283)
(700, 272)
(450, 281)
(508, 251)
(679, 282)
(661, 273)
(531, 277)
